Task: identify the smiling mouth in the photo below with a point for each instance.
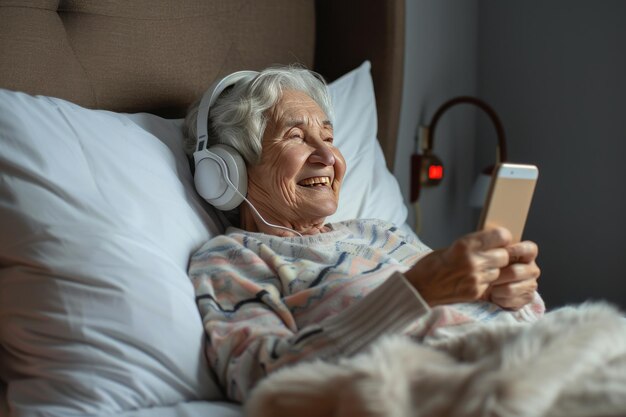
(315, 182)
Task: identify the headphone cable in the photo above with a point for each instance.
(222, 165)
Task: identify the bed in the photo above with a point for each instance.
(98, 214)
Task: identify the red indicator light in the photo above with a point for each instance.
(435, 172)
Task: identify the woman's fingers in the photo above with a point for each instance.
(485, 239)
(494, 258)
(481, 265)
(518, 272)
(522, 265)
(480, 250)
(523, 252)
(463, 271)
(513, 295)
(516, 285)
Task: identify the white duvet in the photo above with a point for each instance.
(572, 363)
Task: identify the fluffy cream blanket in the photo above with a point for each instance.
(571, 363)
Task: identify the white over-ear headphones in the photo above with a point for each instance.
(220, 174)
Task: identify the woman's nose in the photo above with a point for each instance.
(322, 154)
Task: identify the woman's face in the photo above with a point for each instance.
(298, 179)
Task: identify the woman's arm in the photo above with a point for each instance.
(251, 332)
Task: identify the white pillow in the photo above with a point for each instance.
(98, 217)
(369, 189)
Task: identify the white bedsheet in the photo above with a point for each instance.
(190, 409)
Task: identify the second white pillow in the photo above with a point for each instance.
(369, 189)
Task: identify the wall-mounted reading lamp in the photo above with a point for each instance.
(427, 169)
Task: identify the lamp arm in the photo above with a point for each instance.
(502, 152)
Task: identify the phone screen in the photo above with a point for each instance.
(509, 198)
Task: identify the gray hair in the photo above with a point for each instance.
(239, 116)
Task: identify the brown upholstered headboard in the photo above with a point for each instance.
(159, 55)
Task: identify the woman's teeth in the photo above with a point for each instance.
(315, 181)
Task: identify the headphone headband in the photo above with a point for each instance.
(208, 100)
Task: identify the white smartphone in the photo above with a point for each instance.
(508, 201)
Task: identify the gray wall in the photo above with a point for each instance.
(440, 63)
(556, 73)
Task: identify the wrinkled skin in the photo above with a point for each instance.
(297, 150)
(482, 265)
(296, 185)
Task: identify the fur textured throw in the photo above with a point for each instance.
(571, 363)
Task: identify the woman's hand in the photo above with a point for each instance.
(465, 270)
(482, 265)
(517, 283)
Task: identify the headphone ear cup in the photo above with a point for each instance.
(213, 166)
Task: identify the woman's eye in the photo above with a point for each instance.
(296, 134)
(330, 139)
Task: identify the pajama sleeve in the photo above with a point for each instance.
(251, 332)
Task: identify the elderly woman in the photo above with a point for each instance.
(282, 286)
